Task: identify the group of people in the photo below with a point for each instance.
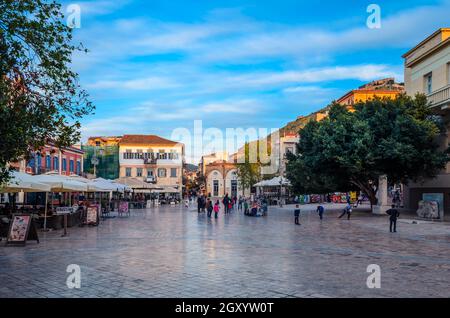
(392, 212)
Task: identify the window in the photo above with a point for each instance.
(127, 154)
(173, 172)
(48, 162)
(289, 150)
(55, 163)
(216, 188)
(128, 172)
(149, 173)
(429, 83)
(71, 166)
(162, 173)
(448, 73)
(79, 168)
(97, 143)
(64, 164)
(139, 172)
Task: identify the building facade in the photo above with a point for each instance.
(427, 71)
(51, 159)
(153, 160)
(101, 157)
(221, 179)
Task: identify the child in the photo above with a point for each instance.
(216, 209)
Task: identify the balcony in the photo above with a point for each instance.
(441, 97)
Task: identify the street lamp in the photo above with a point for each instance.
(95, 161)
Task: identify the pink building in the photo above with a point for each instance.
(65, 161)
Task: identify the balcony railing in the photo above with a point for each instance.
(440, 97)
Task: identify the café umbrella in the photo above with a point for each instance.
(23, 182)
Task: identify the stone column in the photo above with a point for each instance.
(382, 195)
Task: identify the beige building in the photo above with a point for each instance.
(221, 178)
(207, 159)
(427, 70)
(152, 161)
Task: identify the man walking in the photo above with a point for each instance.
(226, 201)
(320, 210)
(348, 211)
(209, 207)
(394, 214)
(297, 214)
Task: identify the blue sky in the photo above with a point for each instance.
(157, 65)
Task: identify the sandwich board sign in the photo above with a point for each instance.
(21, 230)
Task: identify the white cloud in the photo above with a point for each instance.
(147, 83)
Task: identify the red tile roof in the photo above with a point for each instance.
(146, 140)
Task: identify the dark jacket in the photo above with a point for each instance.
(394, 214)
(297, 212)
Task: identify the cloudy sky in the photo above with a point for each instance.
(157, 65)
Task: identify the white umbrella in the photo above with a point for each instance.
(60, 183)
(109, 185)
(23, 182)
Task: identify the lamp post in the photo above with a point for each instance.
(95, 160)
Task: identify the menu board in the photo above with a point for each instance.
(92, 215)
(123, 207)
(20, 226)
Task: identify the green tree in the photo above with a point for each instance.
(351, 150)
(248, 172)
(40, 98)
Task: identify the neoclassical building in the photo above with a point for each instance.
(221, 178)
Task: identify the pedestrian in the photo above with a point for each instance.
(245, 207)
(209, 207)
(360, 200)
(394, 214)
(240, 203)
(216, 209)
(226, 201)
(297, 214)
(199, 203)
(320, 210)
(348, 211)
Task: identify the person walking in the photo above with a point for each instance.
(226, 201)
(348, 211)
(245, 207)
(297, 214)
(199, 203)
(320, 210)
(240, 203)
(209, 207)
(216, 209)
(394, 214)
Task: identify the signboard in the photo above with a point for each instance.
(21, 229)
(92, 215)
(123, 207)
(439, 198)
(63, 210)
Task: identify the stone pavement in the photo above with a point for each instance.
(174, 252)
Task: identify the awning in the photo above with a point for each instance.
(277, 181)
(23, 182)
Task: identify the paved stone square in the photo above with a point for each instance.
(172, 251)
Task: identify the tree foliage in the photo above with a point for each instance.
(351, 149)
(249, 171)
(40, 97)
